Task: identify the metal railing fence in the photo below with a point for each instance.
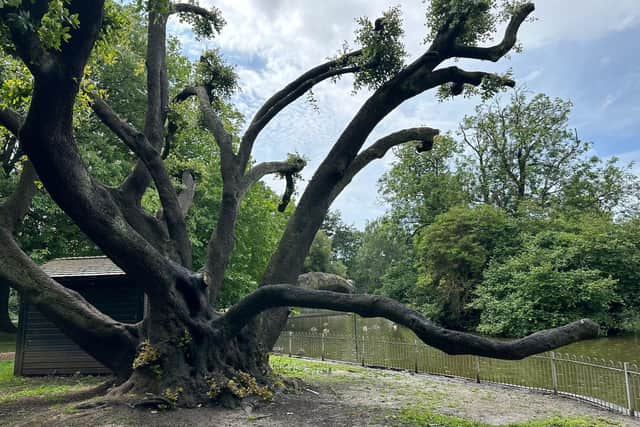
(611, 385)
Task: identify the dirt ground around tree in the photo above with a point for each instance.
(332, 395)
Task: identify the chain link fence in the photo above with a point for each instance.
(611, 385)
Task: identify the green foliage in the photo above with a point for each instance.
(56, 24)
(523, 171)
(383, 52)
(345, 240)
(474, 21)
(452, 255)
(384, 263)
(419, 417)
(420, 186)
(148, 357)
(220, 79)
(555, 278)
(320, 257)
(204, 26)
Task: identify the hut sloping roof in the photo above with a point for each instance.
(82, 267)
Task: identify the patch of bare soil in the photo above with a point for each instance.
(7, 356)
(336, 397)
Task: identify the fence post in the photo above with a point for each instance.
(290, 344)
(355, 336)
(554, 372)
(363, 350)
(322, 341)
(415, 352)
(628, 384)
(476, 360)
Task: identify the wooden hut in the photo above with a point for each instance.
(41, 349)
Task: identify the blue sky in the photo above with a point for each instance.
(582, 50)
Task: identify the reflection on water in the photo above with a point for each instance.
(620, 348)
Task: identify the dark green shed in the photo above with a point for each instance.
(41, 348)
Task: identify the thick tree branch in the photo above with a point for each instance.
(137, 182)
(47, 138)
(288, 192)
(379, 148)
(494, 53)
(228, 159)
(140, 145)
(290, 93)
(185, 198)
(17, 205)
(459, 77)
(26, 41)
(132, 137)
(451, 342)
(260, 170)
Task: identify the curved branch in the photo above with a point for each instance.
(494, 53)
(451, 342)
(379, 148)
(213, 123)
(459, 77)
(140, 145)
(288, 259)
(288, 192)
(262, 169)
(212, 15)
(290, 93)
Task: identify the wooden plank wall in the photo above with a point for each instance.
(43, 350)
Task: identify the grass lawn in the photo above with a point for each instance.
(14, 388)
(7, 342)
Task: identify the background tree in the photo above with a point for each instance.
(345, 240)
(385, 263)
(321, 257)
(217, 351)
(419, 188)
(566, 268)
(525, 151)
(453, 253)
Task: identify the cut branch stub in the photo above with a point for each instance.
(288, 192)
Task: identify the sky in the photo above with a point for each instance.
(585, 51)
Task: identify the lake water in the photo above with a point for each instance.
(618, 348)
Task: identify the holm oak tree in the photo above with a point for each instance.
(184, 349)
